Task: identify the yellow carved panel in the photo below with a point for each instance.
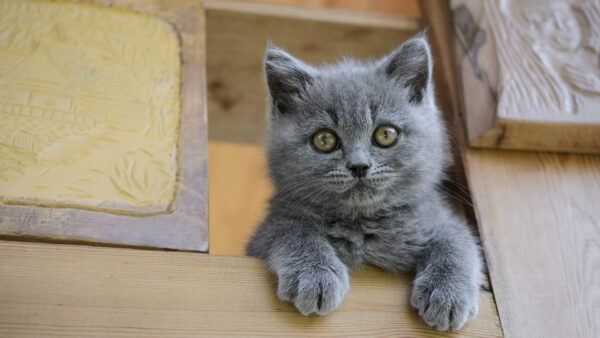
(89, 107)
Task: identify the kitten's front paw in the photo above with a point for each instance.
(445, 305)
(317, 290)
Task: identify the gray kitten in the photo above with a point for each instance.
(356, 153)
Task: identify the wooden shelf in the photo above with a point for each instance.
(71, 290)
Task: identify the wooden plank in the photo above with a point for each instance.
(184, 225)
(525, 86)
(68, 290)
(539, 220)
(328, 14)
(237, 201)
(236, 41)
(405, 8)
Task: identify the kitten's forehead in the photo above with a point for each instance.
(348, 100)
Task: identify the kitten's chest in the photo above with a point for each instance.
(354, 240)
(389, 242)
(358, 232)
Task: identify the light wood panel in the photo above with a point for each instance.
(236, 41)
(328, 14)
(539, 219)
(405, 8)
(238, 194)
(67, 290)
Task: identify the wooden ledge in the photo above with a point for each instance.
(330, 15)
(64, 290)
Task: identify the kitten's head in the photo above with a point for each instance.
(359, 135)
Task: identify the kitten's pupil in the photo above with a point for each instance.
(324, 141)
(385, 136)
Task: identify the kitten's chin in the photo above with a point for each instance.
(361, 194)
(353, 188)
(363, 203)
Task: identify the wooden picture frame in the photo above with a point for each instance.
(184, 225)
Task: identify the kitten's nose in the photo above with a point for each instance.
(358, 170)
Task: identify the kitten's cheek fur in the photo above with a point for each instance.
(318, 290)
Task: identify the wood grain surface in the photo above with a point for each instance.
(185, 227)
(69, 290)
(539, 220)
(236, 42)
(334, 12)
(404, 8)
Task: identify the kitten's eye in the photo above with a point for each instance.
(385, 136)
(325, 141)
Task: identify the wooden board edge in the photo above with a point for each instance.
(316, 14)
(511, 134)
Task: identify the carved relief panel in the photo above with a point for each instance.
(103, 122)
(535, 69)
(89, 104)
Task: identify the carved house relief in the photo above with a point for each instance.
(89, 107)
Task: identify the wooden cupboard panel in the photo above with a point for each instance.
(238, 192)
(236, 40)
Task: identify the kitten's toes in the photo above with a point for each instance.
(474, 310)
(319, 290)
(445, 306)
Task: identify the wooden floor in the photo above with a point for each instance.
(55, 290)
(539, 220)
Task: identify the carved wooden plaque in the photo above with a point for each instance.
(530, 73)
(100, 139)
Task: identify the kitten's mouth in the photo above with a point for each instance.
(356, 186)
(361, 186)
(360, 194)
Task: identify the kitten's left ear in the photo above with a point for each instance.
(286, 76)
(411, 66)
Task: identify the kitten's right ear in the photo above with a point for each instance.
(286, 76)
(411, 65)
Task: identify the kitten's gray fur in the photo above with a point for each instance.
(323, 222)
